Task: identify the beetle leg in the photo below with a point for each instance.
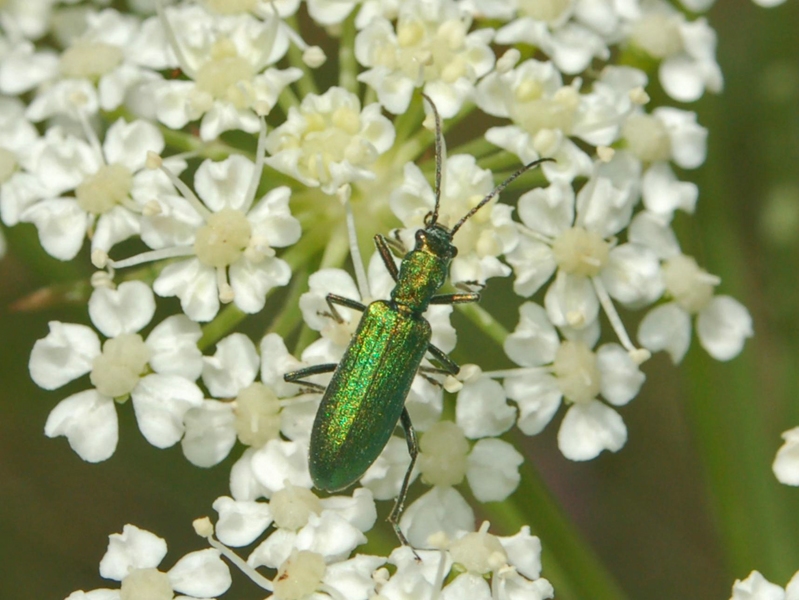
(413, 450)
(455, 298)
(424, 373)
(385, 253)
(299, 375)
(333, 299)
(450, 366)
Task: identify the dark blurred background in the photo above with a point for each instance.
(686, 507)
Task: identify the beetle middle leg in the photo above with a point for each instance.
(299, 376)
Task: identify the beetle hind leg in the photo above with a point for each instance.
(399, 504)
(299, 376)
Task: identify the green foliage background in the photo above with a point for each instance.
(686, 507)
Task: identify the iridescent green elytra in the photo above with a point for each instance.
(365, 398)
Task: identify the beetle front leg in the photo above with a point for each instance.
(299, 375)
(333, 299)
(450, 366)
(413, 450)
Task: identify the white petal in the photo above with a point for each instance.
(493, 471)
(201, 574)
(173, 347)
(160, 402)
(535, 341)
(194, 284)
(224, 184)
(210, 433)
(126, 309)
(278, 463)
(233, 367)
(756, 587)
(533, 264)
(571, 301)
(330, 535)
(538, 397)
(666, 327)
(515, 587)
(682, 78)
(467, 585)
(243, 484)
(134, 548)
(723, 326)
(620, 378)
(524, 552)
(251, 282)
(440, 509)
(89, 422)
(129, 143)
(654, 231)
(114, 226)
(786, 463)
(65, 354)
(548, 211)
(274, 550)
(61, 224)
(384, 476)
(482, 410)
(589, 429)
(100, 594)
(792, 589)
(240, 522)
(358, 509)
(663, 193)
(632, 275)
(352, 578)
(275, 361)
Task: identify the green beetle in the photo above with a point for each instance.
(365, 398)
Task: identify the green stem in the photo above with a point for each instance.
(223, 323)
(348, 66)
(569, 562)
(478, 147)
(306, 83)
(484, 321)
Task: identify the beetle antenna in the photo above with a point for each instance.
(496, 191)
(439, 160)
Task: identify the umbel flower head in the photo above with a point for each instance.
(226, 179)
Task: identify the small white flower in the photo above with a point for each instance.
(569, 370)
(722, 323)
(573, 236)
(132, 559)
(786, 463)
(429, 47)
(226, 234)
(757, 587)
(544, 113)
(329, 140)
(118, 370)
(26, 18)
(687, 50)
(549, 26)
(226, 58)
(108, 184)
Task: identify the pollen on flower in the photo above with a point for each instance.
(577, 372)
(479, 552)
(146, 583)
(223, 239)
(689, 284)
(314, 57)
(109, 186)
(579, 251)
(203, 527)
(300, 575)
(442, 460)
(292, 506)
(91, 60)
(647, 138)
(223, 74)
(257, 411)
(116, 371)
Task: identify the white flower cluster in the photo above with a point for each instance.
(136, 132)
